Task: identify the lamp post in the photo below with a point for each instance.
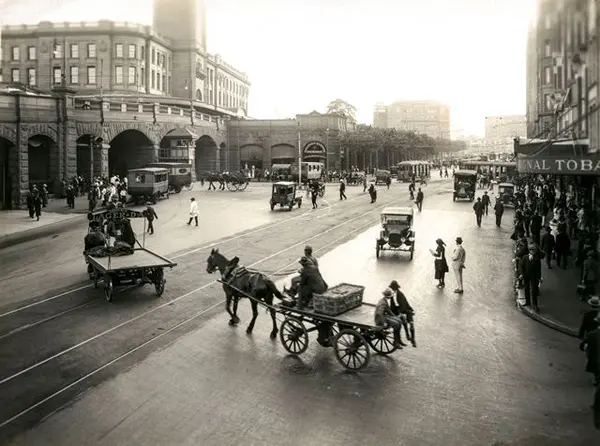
(299, 156)
(327, 149)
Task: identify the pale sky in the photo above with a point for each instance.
(301, 54)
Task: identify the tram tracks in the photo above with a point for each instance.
(58, 368)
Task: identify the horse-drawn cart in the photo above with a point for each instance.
(353, 332)
(122, 265)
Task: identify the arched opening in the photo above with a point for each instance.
(198, 95)
(8, 173)
(39, 148)
(284, 154)
(251, 155)
(206, 155)
(85, 144)
(130, 149)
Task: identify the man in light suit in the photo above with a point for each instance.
(458, 264)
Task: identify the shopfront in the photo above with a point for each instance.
(567, 163)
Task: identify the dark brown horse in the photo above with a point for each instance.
(254, 283)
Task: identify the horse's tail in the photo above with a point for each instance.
(273, 288)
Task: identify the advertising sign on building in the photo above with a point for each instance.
(314, 148)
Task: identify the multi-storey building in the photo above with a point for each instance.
(428, 117)
(169, 58)
(500, 132)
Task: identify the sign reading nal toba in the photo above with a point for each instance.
(579, 166)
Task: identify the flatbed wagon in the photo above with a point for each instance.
(140, 268)
(354, 332)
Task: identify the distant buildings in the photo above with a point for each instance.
(427, 117)
(500, 132)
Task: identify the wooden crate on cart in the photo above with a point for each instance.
(338, 299)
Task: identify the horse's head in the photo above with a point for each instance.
(216, 261)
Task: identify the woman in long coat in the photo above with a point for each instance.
(440, 263)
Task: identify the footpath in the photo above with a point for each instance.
(17, 227)
(559, 304)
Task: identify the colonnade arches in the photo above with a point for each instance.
(130, 149)
(9, 181)
(206, 156)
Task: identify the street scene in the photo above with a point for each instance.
(251, 248)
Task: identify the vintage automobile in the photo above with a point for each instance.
(148, 184)
(465, 182)
(284, 194)
(397, 232)
(506, 192)
(381, 176)
(180, 175)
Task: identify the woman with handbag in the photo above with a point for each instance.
(440, 263)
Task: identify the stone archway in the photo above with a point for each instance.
(284, 154)
(314, 151)
(41, 165)
(130, 149)
(85, 145)
(206, 155)
(251, 155)
(9, 178)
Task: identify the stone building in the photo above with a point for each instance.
(430, 118)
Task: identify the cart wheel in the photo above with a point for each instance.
(351, 350)
(377, 249)
(159, 286)
(383, 342)
(233, 187)
(108, 288)
(243, 186)
(293, 336)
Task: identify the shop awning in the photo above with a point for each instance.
(566, 157)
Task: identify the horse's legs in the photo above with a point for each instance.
(254, 316)
(274, 331)
(236, 301)
(228, 298)
(221, 185)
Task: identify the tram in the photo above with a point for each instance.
(410, 169)
(502, 171)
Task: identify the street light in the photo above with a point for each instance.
(327, 149)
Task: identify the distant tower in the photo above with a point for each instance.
(184, 22)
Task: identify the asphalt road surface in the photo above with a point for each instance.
(170, 371)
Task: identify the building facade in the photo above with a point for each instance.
(168, 59)
(500, 132)
(428, 117)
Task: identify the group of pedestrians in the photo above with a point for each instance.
(440, 264)
(481, 208)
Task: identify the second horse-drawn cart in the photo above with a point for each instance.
(122, 264)
(353, 332)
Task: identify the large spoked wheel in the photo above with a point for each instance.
(293, 336)
(243, 186)
(159, 282)
(108, 288)
(351, 350)
(382, 342)
(233, 187)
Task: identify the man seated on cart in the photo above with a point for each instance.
(94, 238)
(385, 317)
(308, 253)
(400, 307)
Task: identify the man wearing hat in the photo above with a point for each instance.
(384, 317)
(308, 253)
(150, 216)
(458, 264)
(588, 322)
(310, 282)
(401, 307)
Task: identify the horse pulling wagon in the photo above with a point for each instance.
(352, 330)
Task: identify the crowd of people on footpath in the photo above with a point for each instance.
(548, 225)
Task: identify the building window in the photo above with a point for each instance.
(152, 79)
(547, 49)
(153, 56)
(91, 75)
(74, 75)
(131, 75)
(142, 52)
(168, 84)
(16, 53)
(158, 83)
(119, 50)
(164, 83)
(58, 51)
(132, 51)
(57, 75)
(14, 75)
(548, 102)
(548, 76)
(118, 75)
(91, 53)
(31, 80)
(143, 76)
(548, 21)
(74, 51)
(31, 53)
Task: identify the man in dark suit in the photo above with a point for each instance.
(399, 305)
(485, 201)
(479, 209)
(547, 244)
(530, 268)
(499, 211)
(150, 216)
(536, 228)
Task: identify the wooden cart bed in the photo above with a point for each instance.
(363, 316)
(141, 258)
